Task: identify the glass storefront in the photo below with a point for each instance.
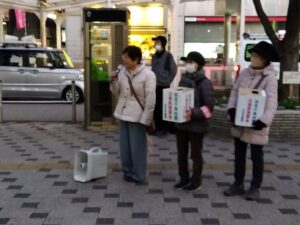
(145, 23)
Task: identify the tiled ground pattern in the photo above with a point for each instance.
(37, 186)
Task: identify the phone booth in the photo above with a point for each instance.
(105, 37)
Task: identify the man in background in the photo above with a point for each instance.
(165, 69)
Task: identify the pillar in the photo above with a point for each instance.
(227, 36)
(58, 21)
(43, 26)
(1, 25)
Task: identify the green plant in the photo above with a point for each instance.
(221, 100)
(290, 103)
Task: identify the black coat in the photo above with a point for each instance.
(203, 97)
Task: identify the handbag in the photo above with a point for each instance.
(151, 127)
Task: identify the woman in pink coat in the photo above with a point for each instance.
(260, 75)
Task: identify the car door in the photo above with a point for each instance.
(44, 80)
(13, 73)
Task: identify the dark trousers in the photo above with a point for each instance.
(257, 158)
(196, 141)
(160, 124)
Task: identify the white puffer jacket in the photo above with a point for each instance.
(144, 84)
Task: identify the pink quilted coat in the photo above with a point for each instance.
(248, 78)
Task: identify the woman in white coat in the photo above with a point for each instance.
(260, 75)
(132, 118)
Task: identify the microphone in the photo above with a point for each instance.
(119, 68)
(117, 71)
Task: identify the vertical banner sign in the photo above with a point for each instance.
(20, 19)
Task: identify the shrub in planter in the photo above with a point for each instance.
(289, 103)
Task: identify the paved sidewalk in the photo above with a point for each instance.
(37, 186)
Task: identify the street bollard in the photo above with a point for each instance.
(1, 108)
(73, 102)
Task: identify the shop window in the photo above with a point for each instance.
(207, 32)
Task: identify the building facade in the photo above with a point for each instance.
(188, 25)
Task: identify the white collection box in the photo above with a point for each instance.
(250, 106)
(176, 101)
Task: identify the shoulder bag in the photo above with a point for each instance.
(151, 128)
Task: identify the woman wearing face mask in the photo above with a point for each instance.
(260, 75)
(165, 69)
(192, 132)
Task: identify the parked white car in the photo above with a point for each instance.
(244, 56)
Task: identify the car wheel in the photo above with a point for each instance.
(67, 95)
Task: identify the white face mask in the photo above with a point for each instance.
(158, 48)
(257, 63)
(191, 67)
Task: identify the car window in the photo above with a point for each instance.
(11, 58)
(62, 60)
(39, 59)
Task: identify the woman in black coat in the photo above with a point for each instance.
(192, 132)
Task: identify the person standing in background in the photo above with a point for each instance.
(165, 69)
(136, 78)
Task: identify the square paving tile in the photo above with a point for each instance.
(111, 195)
(51, 176)
(22, 195)
(219, 205)
(288, 211)
(155, 191)
(264, 201)
(171, 200)
(37, 215)
(125, 204)
(80, 200)
(244, 216)
(4, 220)
(30, 205)
(210, 221)
(290, 197)
(91, 210)
(100, 187)
(69, 191)
(200, 195)
(140, 215)
(105, 221)
(9, 180)
(60, 183)
(189, 210)
(14, 187)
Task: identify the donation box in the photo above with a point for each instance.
(250, 106)
(176, 101)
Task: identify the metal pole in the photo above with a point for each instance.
(73, 102)
(242, 18)
(1, 25)
(1, 108)
(227, 35)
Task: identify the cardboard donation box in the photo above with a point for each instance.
(250, 106)
(176, 101)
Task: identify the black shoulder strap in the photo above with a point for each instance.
(133, 92)
(259, 82)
